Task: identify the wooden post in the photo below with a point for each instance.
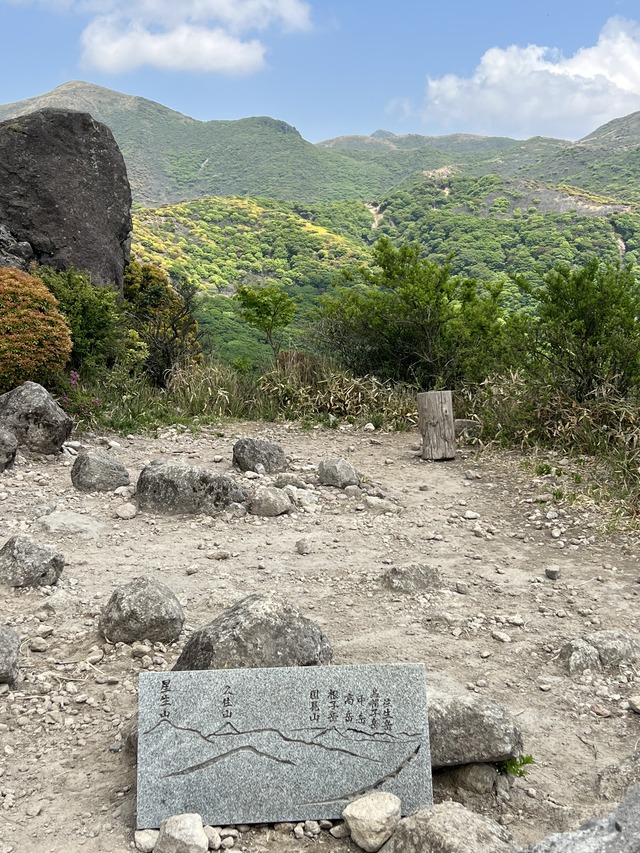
(435, 412)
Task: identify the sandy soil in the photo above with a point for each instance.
(66, 786)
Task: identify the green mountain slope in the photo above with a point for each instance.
(493, 226)
(221, 242)
(171, 157)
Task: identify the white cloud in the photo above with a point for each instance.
(112, 49)
(194, 35)
(527, 91)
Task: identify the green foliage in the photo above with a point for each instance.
(163, 316)
(220, 243)
(585, 334)
(269, 309)
(488, 227)
(406, 318)
(95, 320)
(35, 341)
(516, 766)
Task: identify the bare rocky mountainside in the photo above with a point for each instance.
(524, 611)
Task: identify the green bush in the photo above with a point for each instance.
(35, 341)
(97, 328)
(407, 319)
(585, 335)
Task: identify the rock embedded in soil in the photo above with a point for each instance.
(98, 471)
(448, 828)
(600, 650)
(24, 562)
(249, 453)
(337, 472)
(68, 523)
(372, 819)
(258, 631)
(619, 832)
(412, 578)
(9, 655)
(142, 610)
(35, 419)
(171, 488)
(467, 729)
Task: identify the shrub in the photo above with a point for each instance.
(35, 341)
(95, 320)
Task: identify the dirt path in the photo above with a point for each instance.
(67, 786)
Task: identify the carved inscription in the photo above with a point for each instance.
(245, 746)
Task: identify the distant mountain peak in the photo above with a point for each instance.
(382, 134)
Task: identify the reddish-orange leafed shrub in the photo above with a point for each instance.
(35, 341)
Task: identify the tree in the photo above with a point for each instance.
(269, 309)
(406, 318)
(35, 341)
(586, 334)
(163, 315)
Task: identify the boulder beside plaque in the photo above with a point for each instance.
(280, 744)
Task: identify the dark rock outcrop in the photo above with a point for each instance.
(257, 631)
(34, 418)
(142, 610)
(65, 199)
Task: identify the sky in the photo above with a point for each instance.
(338, 67)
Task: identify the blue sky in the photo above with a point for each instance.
(330, 68)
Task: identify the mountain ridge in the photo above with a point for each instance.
(172, 157)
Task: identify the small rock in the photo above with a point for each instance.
(38, 644)
(127, 511)
(303, 546)
(182, 834)
(372, 819)
(501, 636)
(145, 839)
(552, 572)
(214, 837)
(340, 830)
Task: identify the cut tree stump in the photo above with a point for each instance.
(435, 412)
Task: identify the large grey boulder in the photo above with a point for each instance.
(619, 832)
(9, 651)
(258, 631)
(65, 199)
(337, 472)
(8, 449)
(600, 650)
(169, 487)
(467, 729)
(25, 562)
(270, 502)
(412, 578)
(448, 828)
(248, 453)
(372, 819)
(34, 417)
(142, 610)
(98, 471)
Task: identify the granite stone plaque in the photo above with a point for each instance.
(280, 744)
